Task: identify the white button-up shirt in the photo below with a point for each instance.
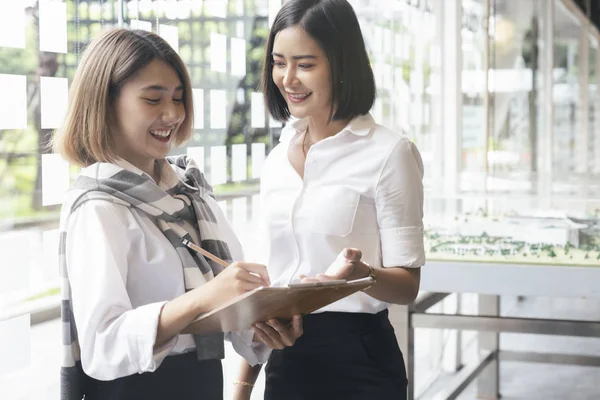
(122, 270)
(362, 188)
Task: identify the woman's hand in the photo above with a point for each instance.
(277, 335)
(347, 266)
(236, 279)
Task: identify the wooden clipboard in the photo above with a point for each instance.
(264, 303)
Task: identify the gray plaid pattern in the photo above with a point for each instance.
(181, 200)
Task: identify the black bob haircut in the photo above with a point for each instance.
(334, 26)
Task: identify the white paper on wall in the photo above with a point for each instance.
(171, 35)
(53, 26)
(258, 159)
(15, 265)
(197, 154)
(50, 241)
(218, 109)
(239, 163)
(13, 101)
(55, 179)
(12, 24)
(15, 344)
(216, 8)
(218, 52)
(257, 110)
(218, 165)
(142, 25)
(274, 6)
(238, 57)
(198, 98)
(54, 94)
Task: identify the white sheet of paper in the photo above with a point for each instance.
(387, 41)
(55, 179)
(13, 101)
(274, 6)
(377, 39)
(50, 241)
(240, 29)
(142, 25)
(197, 154)
(15, 265)
(218, 52)
(238, 57)
(15, 344)
(258, 158)
(398, 37)
(239, 7)
(171, 35)
(388, 79)
(218, 109)
(54, 93)
(53, 26)
(198, 98)
(216, 8)
(218, 165)
(239, 162)
(12, 24)
(258, 110)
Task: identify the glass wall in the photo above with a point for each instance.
(594, 109)
(504, 91)
(566, 98)
(473, 134)
(516, 95)
(403, 40)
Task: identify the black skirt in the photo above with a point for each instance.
(350, 356)
(179, 377)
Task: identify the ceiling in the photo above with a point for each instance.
(593, 12)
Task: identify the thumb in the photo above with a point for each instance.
(352, 254)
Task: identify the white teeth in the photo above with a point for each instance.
(299, 96)
(161, 133)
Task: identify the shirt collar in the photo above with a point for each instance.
(360, 126)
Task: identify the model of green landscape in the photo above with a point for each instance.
(513, 238)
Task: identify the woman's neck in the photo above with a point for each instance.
(319, 129)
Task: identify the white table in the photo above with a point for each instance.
(490, 281)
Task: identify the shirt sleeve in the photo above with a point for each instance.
(116, 340)
(253, 352)
(399, 204)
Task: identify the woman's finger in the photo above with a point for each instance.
(257, 269)
(286, 335)
(269, 336)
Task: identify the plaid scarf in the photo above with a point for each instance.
(179, 197)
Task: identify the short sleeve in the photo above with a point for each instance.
(399, 205)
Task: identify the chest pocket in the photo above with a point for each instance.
(331, 210)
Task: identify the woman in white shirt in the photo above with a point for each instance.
(336, 182)
(130, 284)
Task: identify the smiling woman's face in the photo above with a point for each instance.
(149, 111)
(301, 72)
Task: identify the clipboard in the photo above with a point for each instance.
(265, 303)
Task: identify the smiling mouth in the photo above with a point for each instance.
(298, 97)
(161, 134)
